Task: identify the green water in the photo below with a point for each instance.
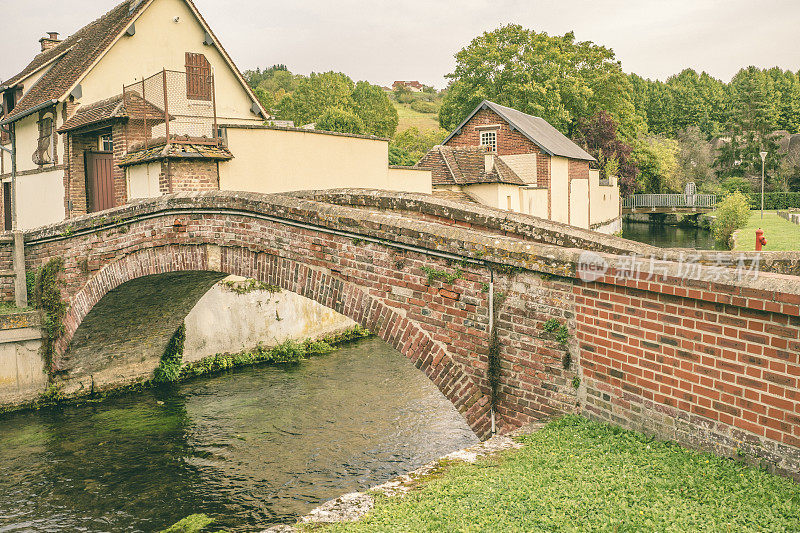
(251, 447)
(665, 236)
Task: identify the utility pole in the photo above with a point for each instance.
(18, 253)
(763, 159)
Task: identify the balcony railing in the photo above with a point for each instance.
(171, 107)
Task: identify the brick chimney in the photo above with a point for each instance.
(50, 41)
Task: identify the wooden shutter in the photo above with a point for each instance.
(198, 77)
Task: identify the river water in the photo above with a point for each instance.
(250, 447)
(665, 236)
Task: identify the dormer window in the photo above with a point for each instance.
(489, 138)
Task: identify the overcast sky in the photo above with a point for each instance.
(382, 41)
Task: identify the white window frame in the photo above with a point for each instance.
(101, 145)
(489, 138)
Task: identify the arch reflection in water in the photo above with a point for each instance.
(250, 447)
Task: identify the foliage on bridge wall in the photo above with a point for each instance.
(562, 336)
(47, 297)
(169, 369)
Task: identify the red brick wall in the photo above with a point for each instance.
(193, 175)
(712, 367)
(508, 142)
(75, 172)
(578, 169)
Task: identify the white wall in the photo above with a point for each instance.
(161, 43)
(559, 183)
(40, 199)
(226, 322)
(605, 199)
(143, 180)
(274, 160)
(535, 201)
(579, 203)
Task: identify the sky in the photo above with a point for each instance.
(382, 41)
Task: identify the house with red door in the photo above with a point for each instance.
(503, 158)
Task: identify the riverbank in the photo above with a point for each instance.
(173, 370)
(579, 475)
(781, 234)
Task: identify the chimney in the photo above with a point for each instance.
(50, 41)
(488, 162)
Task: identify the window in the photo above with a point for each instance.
(106, 143)
(508, 200)
(198, 77)
(44, 148)
(489, 138)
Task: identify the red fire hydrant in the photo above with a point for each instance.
(760, 239)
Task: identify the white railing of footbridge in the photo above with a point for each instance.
(676, 201)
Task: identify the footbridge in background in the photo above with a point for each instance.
(669, 203)
(468, 293)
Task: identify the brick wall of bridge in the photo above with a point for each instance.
(707, 364)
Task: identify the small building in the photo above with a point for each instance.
(504, 158)
(413, 86)
(146, 101)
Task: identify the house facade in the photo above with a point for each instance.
(414, 86)
(146, 101)
(507, 159)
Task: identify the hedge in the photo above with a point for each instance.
(774, 200)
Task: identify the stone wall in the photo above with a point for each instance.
(226, 322)
(22, 375)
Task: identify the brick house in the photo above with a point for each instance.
(145, 101)
(504, 158)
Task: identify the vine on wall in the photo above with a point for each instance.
(47, 298)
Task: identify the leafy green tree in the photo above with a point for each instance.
(314, 95)
(375, 109)
(554, 77)
(340, 120)
(656, 158)
(787, 85)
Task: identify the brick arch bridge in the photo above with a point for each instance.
(708, 359)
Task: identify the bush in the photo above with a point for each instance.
(421, 106)
(732, 213)
(340, 120)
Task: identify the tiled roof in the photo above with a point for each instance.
(97, 112)
(537, 129)
(176, 151)
(71, 57)
(466, 165)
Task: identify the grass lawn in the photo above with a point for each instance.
(781, 234)
(576, 475)
(410, 118)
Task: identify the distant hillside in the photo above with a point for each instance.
(414, 119)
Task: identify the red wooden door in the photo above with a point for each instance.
(99, 181)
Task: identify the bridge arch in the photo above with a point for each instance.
(119, 322)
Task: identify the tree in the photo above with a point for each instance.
(411, 144)
(600, 137)
(695, 157)
(733, 212)
(656, 158)
(341, 120)
(375, 109)
(316, 94)
(554, 77)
